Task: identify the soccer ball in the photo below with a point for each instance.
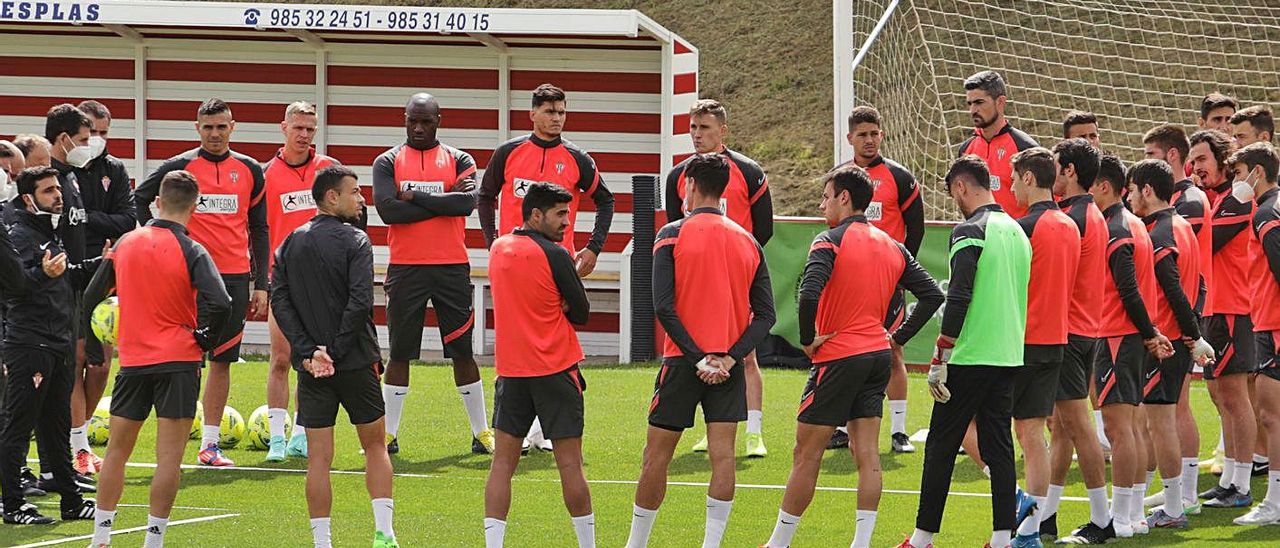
(99, 429)
(232, 428)
(198, 423)
(104, 323)
(260, 428)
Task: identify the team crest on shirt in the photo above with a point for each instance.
(520, 187)
(439, 161)
(218, 204)
(106, 183)
(1000, 154)
(297, 201)
(36, 379)
(875, 185)
(235, 177)
(559, 167)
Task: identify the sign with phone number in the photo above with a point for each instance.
(368, 19)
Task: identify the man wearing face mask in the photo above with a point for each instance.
(38, 348)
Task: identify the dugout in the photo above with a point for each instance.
(630, 84)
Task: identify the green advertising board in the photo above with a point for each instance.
(787, 251)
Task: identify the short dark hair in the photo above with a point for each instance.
(94, 109)
(1079, 153)
(213, 106)
(1169, 136)
(1039, 161)
(864, 114)
(178, 190)
(543, 196)
(1216, 100)
(710, 173)
(1258, 116)
(1111, 170)
(547, 93)
(1258, 154)
(28, 178)
(970, 166)
(854, 180)
(64, 118)
(1154, 173)
(1219, 144)
(1075, 118)
(709, 106)
(989, 81)
(328, 179)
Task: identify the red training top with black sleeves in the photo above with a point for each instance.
(289, 201)
(525, 160)
(1230, 254)
(430, 228)
(710, 287)
(536, 295)
(998, 151)
(171, 298)
(231, 216)
(1195, 206)
(746, 199)
(896, 206)
(1266, 263)
(1177, 256)
(851, 275)
(1129, 290)
(1084, 318)
(1055, 259)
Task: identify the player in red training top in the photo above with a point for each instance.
(994, 139)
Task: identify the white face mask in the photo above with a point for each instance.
(97, 145)
(79, 156)
(1242, 191)
(7, 187)
(54, 218)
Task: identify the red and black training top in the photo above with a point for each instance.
(746, 199)
(1177, 256)
(172, 300)
(525, 160)
(896, 206)
(848, 282)
(536, 296)
(1266, 263)
(1194, 206)
(289, 200)
(710, 287)
(231, 216)
(1230, 253)
(1129, 292)
(1084, 316)
(431, 228)
(1055, 260)
(998, 151)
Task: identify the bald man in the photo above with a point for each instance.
(424, 190)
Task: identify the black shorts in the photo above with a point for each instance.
(897, 311)
(842, 390)
(1162, 380)
(172, 392)
(448, 287)
(1231, 336)
(555, 400)
(228, 348)
(1118, 368)
(678, 392)
(1077, 366)
(358, 391)
(1035, 389)
(1268, 351)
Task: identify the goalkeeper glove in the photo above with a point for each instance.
(938, 370)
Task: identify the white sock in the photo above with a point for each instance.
(1136, 511)
(320, 533)
(1261, 459)
(754, 419)
(1244, 472)
(1228, 473)
(103, 520)
(1097, 419)
(275, 421)
(898, 416)
(1098, 512)
(1173, 496)
(393, 399)
(298, 430)
(473, 400)
(80, 439)
(1000, 539)
(585, 528)
(495, 531)
(155, 532)
(1120, 504)
(382, 511)
(865, 526)
(717, 519)
(641, 526)
(1051, 501)
(921, 538)
(209, 435)
(1273, 487)
(1031, 525)
(784, 530)
(1190, 479)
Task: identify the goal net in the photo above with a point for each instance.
(1135, 64)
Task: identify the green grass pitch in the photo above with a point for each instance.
(439, 487)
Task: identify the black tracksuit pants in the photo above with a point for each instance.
(37, 398)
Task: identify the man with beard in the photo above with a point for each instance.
(994, 139)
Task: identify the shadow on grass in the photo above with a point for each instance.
(687, 463)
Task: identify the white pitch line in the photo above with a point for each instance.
(124, 531)
(193, 508)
